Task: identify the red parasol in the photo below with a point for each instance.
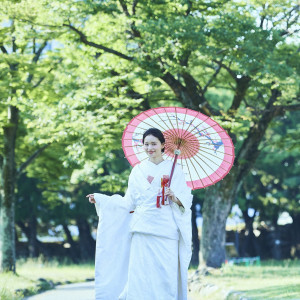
(199, 144)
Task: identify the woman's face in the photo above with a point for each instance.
(153, 146)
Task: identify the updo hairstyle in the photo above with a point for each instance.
(156, 133)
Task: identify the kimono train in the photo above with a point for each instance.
(143, 251)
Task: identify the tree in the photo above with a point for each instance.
(21, 73)
(271, 187)
(221, 58)
(36, 82)
(234, 61)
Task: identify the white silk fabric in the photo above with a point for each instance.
(166, 226)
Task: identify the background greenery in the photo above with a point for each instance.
(74, 73)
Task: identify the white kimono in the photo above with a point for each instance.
(144, 254)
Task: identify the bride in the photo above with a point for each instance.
(144, 238)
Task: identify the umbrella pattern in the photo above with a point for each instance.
(206, 150)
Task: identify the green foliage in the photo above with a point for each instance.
(79, 71)
(272, 186)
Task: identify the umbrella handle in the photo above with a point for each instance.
(177, 152)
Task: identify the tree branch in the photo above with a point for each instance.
(242, 85)
(189, 95)
(124, 7)
(3, 49)
(189, 8)
(31, 159)
(39, 52)
(42, 78)
(231, 72)
(178, 89)
(36, 58)
(289, 13)
(288, 107)
(289, 33)
(134, 5)
(84, 39)
(249, 150)
(211, 79)
(144, 105)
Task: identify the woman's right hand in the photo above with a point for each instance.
(91, 198)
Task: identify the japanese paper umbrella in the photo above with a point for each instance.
(206, 152)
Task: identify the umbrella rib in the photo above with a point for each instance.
(169, 118)
(206, 164)
(213, 162)
(163, 119)
(151, 126)
(129, 146)
(136, 132)
(191, 175)
(212, 133)
(153, 120)
(189, 133)
(133, 132)
(134, 154)
(183, 122)
(222, 145)
(187, 130)
(128, 139)
(138, 126)
(215, 151)
(194, 148)
(211, 126)
(198, 155)
(176, 117)
(182, 163)
(190, 160)
(215, 155)
(192, 156)
(204, 169)
(202, 147)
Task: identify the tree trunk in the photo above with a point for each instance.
(220, 197)
(8, 178)
(275, 243)
(250, 245)
(74, 252)
(32, 240)
(86, 242)
(295, 251)
(216, 207)
(195, 238)
(38, 247)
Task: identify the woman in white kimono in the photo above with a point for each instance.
(143, 242)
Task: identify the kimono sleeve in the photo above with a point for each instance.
(115, 202)
(113, 243)
(181, 190)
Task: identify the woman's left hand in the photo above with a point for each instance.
(172, 197)
(170, 194)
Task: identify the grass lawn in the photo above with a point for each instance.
(271, 280)
(29, 273)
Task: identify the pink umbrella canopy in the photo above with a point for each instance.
(206, 150)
